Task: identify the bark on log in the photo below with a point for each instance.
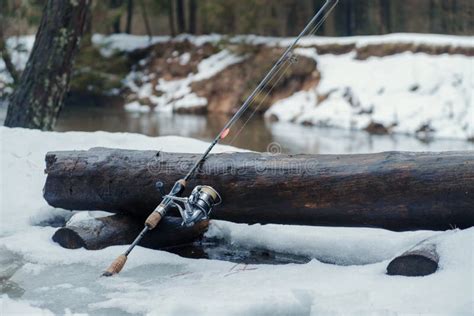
(392, 190)
(420, 260)
(99, 233)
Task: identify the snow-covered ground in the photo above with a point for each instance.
(39, 277)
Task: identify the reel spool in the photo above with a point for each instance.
(198, 205)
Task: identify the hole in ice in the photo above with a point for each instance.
(214, 249)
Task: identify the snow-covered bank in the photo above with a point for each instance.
(417, 94)
(406, 91)
(177, 94)
(414, 84)
(126, 42)
(365, 40)
(38, 276)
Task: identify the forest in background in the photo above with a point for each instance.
(263, 17)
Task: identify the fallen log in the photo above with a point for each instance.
(420, 260)
(99, 233)
(190, 242)
(392, 190)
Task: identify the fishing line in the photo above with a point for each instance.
(261, 102)
(290, 63)
(199, 204)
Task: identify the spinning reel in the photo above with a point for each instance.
(197, 206)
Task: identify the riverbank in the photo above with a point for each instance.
(411, 84)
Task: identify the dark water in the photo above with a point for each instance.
(257, 135)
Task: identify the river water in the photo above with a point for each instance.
(258, 134)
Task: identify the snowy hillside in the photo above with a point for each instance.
(40, 277)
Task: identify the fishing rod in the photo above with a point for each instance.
(202, 199)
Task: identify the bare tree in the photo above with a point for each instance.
(171, 18)
(128, 26)
(181, 19)
(145, 19)
(192, 16)
(39, 96)
(7, 58)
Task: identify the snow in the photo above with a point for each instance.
(44, 278)
(429, 96)
(342, 246)
(184, 58)
(122, 42)
(364, 40)
(177, 94)
(19, 48)
(114, 43)
(12, 307)
(128, 42)
(403, 92)
(135, 106)
(22, 166)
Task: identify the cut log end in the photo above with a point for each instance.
(68, 238)
(420, 260)
(99, 233)
(412, 265)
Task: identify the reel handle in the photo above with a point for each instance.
(155, 217)
(160, 187)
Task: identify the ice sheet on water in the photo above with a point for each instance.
(41, 277)
(336, 245)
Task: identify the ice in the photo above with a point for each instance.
(347, 272)
(342, 246)
(13, 307)
(40, 277)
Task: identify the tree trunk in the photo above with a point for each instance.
(393, 190)
(420, 260)
(192, 16)
(99, 233)
(128, 25)
(145, 19)
(171, 19)
(116, 4)
(7, 59)
(37, 100)
(180, 16)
